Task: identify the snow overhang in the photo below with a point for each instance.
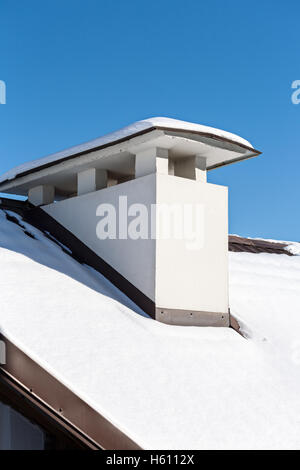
(115, 152)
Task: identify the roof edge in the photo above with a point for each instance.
(57, 400)
(253, 152)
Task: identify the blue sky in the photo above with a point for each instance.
(77, 69)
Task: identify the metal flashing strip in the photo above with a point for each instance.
(192, 317)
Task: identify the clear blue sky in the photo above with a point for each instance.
(77, 69)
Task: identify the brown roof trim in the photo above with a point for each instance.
(210, 136)
(251, 245)
(60, 403)
(14, 205)
(63, 436)
(38, 218)
(235, 160)
(137, 134)
(83, 254)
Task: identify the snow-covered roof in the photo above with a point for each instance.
(121, 135)
(166, 387)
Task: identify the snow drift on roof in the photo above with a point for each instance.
(166, 387)
(121, 134)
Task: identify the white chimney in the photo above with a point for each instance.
(139, 199)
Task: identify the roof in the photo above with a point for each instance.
(136, 129)
(252, 245)
(164, 386)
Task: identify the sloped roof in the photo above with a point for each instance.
(164, 386)
(252, 245)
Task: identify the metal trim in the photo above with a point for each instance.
(183, 317)
(124, 139)
(59, 402)
(16, 396)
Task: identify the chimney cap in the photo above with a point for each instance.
(238, 148)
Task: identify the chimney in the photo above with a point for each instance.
(139, 199)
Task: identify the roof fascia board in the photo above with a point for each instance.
(65, 405)
(217, 142)
(208, 135)
(73, 161)
(211, 139)
(235, 160)
(15, 395)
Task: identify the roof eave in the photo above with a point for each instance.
(251, 150)
(62, 404)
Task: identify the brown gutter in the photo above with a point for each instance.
(137, 134)
(60, 403)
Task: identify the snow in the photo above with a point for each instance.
(265, 295)
(117, 135)
(291, 247)
(167, 387)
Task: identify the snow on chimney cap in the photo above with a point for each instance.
(140, 127)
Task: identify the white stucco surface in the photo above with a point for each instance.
(198, 279)
(43, 194)
(134, 259)
(192, 271)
